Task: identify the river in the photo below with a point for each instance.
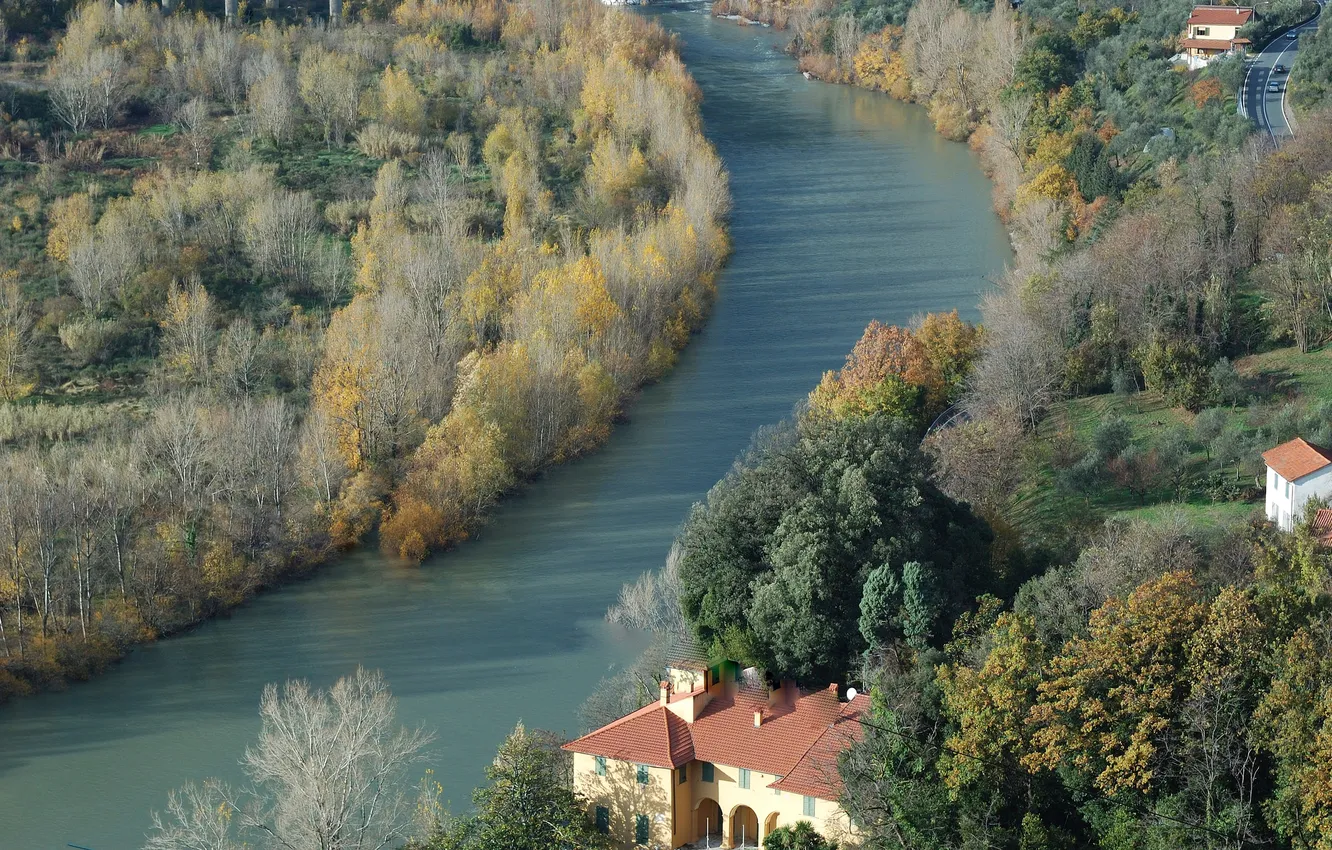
(848, 207)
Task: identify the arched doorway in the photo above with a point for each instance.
(769, 824)
(744, 827)
(708, 823)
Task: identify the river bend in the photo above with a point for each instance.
(848, 207)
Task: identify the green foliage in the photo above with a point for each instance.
(777, 557)
(802, 836)
(1091, 167)
(1049, 62)
(525, 805)
(1112, 437)
(1178, 371)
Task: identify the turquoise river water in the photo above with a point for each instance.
(848, 207)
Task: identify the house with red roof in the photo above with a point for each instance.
(719, 762)
(1296, 472)
(1213, 31)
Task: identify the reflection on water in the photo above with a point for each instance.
(847, 207)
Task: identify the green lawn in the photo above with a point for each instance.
(1287, 372)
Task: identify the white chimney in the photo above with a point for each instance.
(758, 718)
(665, 692)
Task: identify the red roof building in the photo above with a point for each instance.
(1297, 471)
(1297, 458)
(719, 760)
(1214, 30)
(1227, 16)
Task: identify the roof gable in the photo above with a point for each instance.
(1296, 459)
(652, 735)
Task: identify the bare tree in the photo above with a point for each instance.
(329, 87)
(846, 38)
(280, 233)
(1018, 375)
(331, 271)
(15, 324)
(1010, 118)
(187, 331)
(652, 603)
(236, 366)
(271, 96)
(192, 121)
(178, 445)
(326, 775)
(198, 817)
(460, 149)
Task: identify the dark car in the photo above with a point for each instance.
(1280, 69)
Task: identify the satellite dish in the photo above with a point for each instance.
(850, 694)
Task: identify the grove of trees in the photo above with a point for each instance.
(268, 288)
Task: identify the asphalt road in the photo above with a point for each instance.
(1269, 109)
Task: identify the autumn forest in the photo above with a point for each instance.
(272, 289)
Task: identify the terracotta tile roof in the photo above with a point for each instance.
(1322, 524)
(1296, 459)
(798, 742)
(685, 653)
(652, 735)
(816, 773)
(1208, 43)
(1228, 16)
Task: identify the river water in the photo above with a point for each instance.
(847, 208)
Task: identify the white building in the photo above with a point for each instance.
(1296, 471)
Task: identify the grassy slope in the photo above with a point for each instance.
(1276, 378)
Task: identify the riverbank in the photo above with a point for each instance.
(336, 286)
(509, 624)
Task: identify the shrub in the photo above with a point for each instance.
(381, 142)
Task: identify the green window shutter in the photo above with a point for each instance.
(682, 774)
(809, 806)
(709, 772)
(642, 774)
(603, 820)
(744, 777)
(641, 830)
(601, 765)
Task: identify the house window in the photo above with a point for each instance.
(641, 829)
(744, 777)
(809, 806)
(603, 820)
(682, 774)
(601, 765)
(642, 774)
(709, 772)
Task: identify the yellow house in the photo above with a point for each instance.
(1214, 30)
(714, 763)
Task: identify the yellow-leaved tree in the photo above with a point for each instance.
(401, 104)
